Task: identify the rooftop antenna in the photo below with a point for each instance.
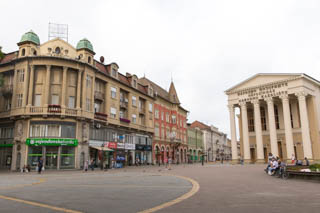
(171, 77)
(58, 31)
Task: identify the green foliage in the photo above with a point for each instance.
(314, 167)
(1, 55)
(1, 80)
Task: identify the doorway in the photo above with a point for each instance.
(52, 157)
(253, 154)
(265, 151)
(280, 150)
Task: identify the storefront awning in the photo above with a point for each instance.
(102, 148)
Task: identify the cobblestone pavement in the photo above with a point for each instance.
(223, 188)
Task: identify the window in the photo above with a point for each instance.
(134, 101)
(276, 116)
(53, 130)
(37, 100)
(6, 132)
(97, 107)
(162, 115)
(156, 131)
(55, 99)
(113, 92)
(71, 103)
(121, 114)
(113, 112)
(167, 133)
(162, 132)
(19, 100)
(21, 75)
(174, 119)
(88, 81)
(291, 118)
(7, 103)
(134, 118)
(114, 73)
(57, 50)
(89, 59)
(135, 83)
(156, 114)
(263, 119)
(150, 107)
(250, 120)
(23, 52)
(167, 118)
(88, 104)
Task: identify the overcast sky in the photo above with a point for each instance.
(207, 46)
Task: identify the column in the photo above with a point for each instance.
(31, 82)
(258, 131)
(79, 89)
(92, 93)
(307, 148)
(233, 134)
(25, 87)
(272, 128)
(245, 132)
(84, 91)
(46, 95)
(64, 88)
(287, 126)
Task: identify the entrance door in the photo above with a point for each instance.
(280, 150)
(265, 155)
(253, 155)
(52, 157)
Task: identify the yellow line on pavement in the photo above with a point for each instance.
(41, 180)
(39, 204)
(194, 190)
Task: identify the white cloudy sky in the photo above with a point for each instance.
(207, 46)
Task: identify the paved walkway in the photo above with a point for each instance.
(223, 188)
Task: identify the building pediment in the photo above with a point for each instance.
(58, 47)
(263, 79)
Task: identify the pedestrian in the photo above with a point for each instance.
(202, 160)
(293, 159)
(40, 165)
(170, 161)
(92, 164)
(307, 161)
(86, 165)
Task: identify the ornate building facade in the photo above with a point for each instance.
(279, 114)
(59, 104)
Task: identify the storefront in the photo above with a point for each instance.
(143, 154)
(130, 153)
(57, 153)
(6, 153)
(100, 154)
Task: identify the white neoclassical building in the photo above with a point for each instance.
(279, 114)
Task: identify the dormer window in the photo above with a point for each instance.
(34, 52)
(135, 83)
(89, 60)
(57, 50)
(114, 72)
(150, 91)
(23, 52)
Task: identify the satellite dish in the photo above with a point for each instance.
(101, 59)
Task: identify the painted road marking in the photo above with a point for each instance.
(41, 180)
(194, 190)
(39, 204)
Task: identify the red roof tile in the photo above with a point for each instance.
(8, 57)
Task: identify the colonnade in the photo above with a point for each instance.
(305, 131)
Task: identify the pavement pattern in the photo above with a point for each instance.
(223, 188)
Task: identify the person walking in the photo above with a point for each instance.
(293, 159)
(40, 165)
(86, 165)
(92, 164)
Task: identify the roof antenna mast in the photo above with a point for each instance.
(58, 31)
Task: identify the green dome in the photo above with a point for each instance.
(30, 37)
(85, 44)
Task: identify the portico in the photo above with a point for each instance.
(278, 115)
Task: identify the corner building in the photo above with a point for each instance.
(60, 104)
(279, 114)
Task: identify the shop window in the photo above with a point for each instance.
(67, 157)
(34, 155)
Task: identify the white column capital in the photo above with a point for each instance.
(284, 97)
(243, 105)
(231, 107)
(301, 95)
(65, 68)
(256, 103)
(269, 100)
(48, 67)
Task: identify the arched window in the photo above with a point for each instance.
(34, 52)
(89, 60)
(57, 50)
(23, 52)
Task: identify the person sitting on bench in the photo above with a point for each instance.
(273, 166)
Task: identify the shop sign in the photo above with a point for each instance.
(6, 143)
(51, 142)
(120, 146)
(130, 146)
(147, 148)
(139, 147)
(95, 143)
(112, 145)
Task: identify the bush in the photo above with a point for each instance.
(314, 167)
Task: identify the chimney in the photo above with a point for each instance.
(128, 74)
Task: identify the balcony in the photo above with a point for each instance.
(124, 104)
(125, 120)
(100, 116)
(98, 95)
(7, 90)
(142, 110)
(53, 108)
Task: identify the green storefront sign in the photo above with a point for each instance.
(51, 142)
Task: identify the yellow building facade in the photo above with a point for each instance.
(59, 104)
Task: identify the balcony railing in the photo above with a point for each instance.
(142, 110)
(53, 108)
(35, 109)
(72, 112)
(98, 95)
(123, 104)
(7, 90)
(100, 116)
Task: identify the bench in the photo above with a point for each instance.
(294, 171)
